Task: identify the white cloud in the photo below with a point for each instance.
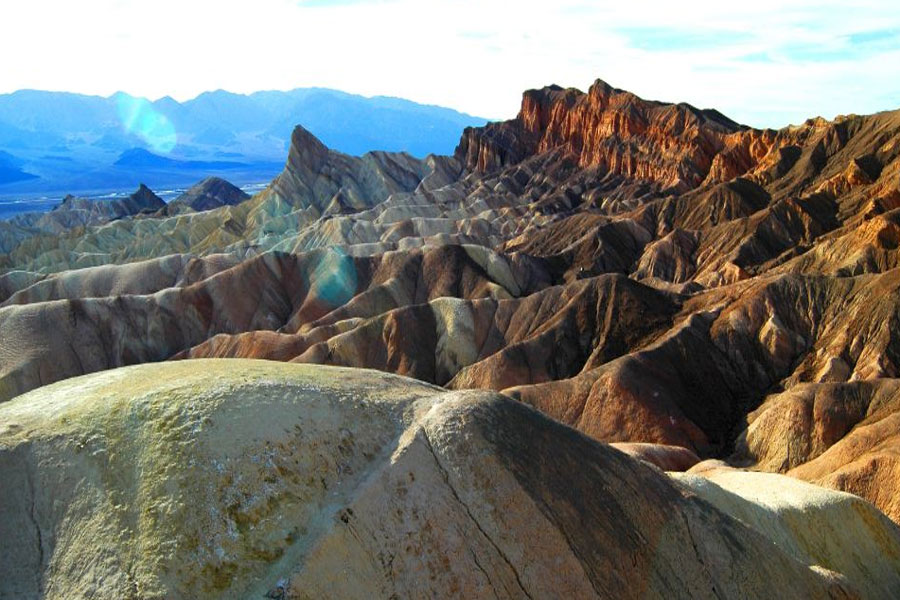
(474, 56)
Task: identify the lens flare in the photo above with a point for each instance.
(139, 117)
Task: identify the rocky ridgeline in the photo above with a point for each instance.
(707, 297)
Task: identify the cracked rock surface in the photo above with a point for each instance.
(243, 478)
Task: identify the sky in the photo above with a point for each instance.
(764, 63)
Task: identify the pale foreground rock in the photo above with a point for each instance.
(820, 527)
(240, 478)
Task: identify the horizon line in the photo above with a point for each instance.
(246, 95)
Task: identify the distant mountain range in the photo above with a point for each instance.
(63, 142)
(10, 170)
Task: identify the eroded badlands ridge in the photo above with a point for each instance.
(227, 479)
(644, 272)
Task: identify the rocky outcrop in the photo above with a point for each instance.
(212, 192)
(305, 211)
(225, 479)
(72, 211)
(865, 462)
(840, 435)
(141, 201)
(315, 176)
(612, 130)
(74, 214)
(824, 529)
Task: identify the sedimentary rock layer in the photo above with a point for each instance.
(648, 273)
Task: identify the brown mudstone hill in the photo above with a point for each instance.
(650, 274)
(78, 322)
(844, 436)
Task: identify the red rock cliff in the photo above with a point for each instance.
(674, 145)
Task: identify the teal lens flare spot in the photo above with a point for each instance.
(139, 117)
(334, 280)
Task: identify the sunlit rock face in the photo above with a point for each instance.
(672, 145)
(650, 274)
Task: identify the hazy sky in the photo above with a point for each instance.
(762, 62)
